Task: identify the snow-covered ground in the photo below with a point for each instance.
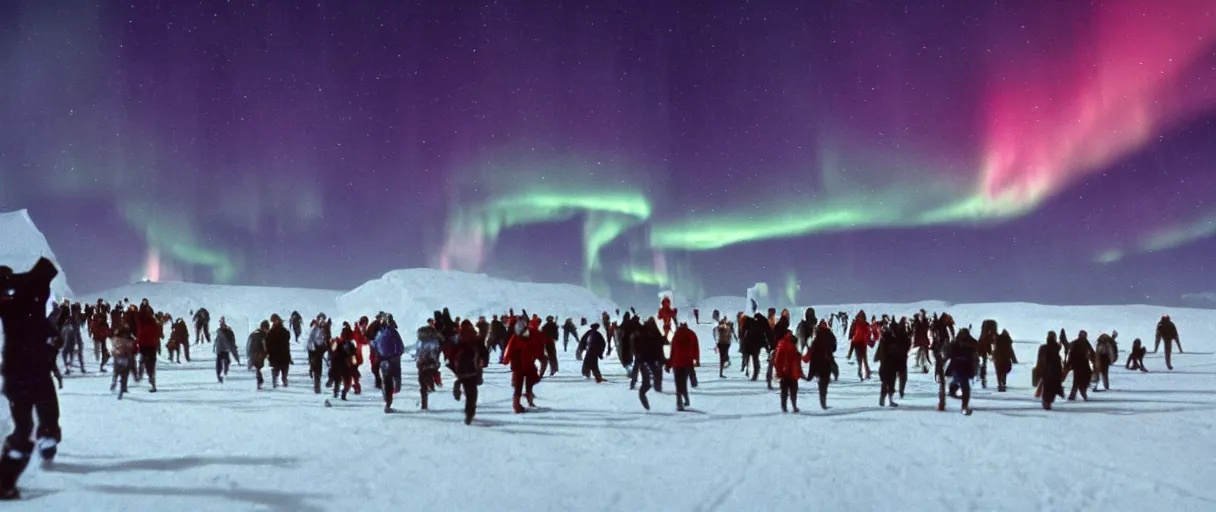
(1148, 444)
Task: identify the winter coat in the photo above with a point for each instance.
(806, 328)
(470, 357)
(98, 328)
(1080, 356)
(1166, 331)
(255, 348)
(820, 354)
(149, 330)
(860, 334)
(1048, 370)
(201, 317)
(787, 362)
(524, 350)
(318, 340)
(685, 349)
(1003, 357)
(963, 356)
(69, 332)
(920, 333)
(593, 345)
(428, 350)
(341, 357)
(756, 337)
(648, 344)
(122, 346)
(278, 346)
(780, 328)
(225, 341)
(388, 343)
(1106, 353)
(179, 335)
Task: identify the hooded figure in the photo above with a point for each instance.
(822, 359)
(757, 336)
(523, 350)
(787, 364)
(1047, 377)
(1079, 358)
(471, 357)
(1003, 359)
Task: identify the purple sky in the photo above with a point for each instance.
(869, 151)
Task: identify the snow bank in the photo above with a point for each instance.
(413, 295)
(22, 243)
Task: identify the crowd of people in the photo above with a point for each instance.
(646, 346)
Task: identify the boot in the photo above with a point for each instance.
(530, 402)
(519, 409)
(12, 464)
(424, 401)
(645, 402)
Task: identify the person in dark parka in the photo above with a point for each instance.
(278, 351)
(1003, 359)
(28, 361)
(593, 345)
(649, 358)
(821, 356)
(756, 337)
(1080, 355)
(1048, 376)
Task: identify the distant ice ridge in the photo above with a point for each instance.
(413, 295)
(22, 243)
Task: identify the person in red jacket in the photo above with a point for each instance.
(524, 349)
(787, 363)
(667, 314)
(685, 355)
(148, 336)
(860, 338)
(360, 339)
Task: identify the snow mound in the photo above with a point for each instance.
(412, 296)
(23, 243)
(241, 305)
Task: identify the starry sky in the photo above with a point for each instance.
(838, 150)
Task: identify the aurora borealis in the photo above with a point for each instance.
(1058, 152)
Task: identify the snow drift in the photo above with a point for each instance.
(22, 243)
(411, 296)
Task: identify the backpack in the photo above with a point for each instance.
(428, 354)
(388, 343)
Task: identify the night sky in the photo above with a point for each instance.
(1046, 151)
